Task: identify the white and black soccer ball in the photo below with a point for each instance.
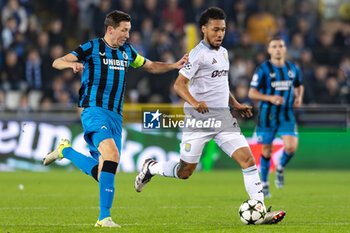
(252, 212)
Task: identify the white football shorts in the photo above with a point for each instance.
(193, 142)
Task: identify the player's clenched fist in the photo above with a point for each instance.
(77, 66)
(201, 107)
(277, 100)
(297, 102)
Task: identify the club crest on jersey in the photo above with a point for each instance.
(188, 147)
(125, 56)
(226, 57)
(290, 74)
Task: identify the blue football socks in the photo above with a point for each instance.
(106, 183)
(87, 164)
(264, 167)
(285, 158)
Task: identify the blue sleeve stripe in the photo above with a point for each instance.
(194, 52)
(86, 46)
(133, 52)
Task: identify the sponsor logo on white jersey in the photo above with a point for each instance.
(219, 73)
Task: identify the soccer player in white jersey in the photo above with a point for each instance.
(208, 90)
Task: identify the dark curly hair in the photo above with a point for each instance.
(211, 13)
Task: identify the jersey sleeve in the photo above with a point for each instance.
(257, 79)
(83, 51)
(192, 66)
(298, 79)
(136, 59)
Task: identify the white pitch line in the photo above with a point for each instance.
(169, 224)
(319, 223)
(48, 225)
(96, 207)
(47, 208)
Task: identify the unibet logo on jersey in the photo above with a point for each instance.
(151, 120)
(115, 64)
(282, 85)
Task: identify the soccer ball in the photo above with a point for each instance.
(252, 212)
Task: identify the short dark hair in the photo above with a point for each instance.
(211, 13)
(273, 39)
(115, 17)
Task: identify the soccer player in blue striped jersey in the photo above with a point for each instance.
(277, 84)
(104, 62)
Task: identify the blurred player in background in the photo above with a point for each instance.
(277, 85)
(104, 64)
(206, 74)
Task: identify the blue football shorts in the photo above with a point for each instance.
(266, 135)
(100, 124)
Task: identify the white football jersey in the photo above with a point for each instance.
(207, 69)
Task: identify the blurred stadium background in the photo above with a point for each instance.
(38, 103)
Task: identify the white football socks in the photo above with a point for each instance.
(168, 169)
(252, 183)
(279, 167)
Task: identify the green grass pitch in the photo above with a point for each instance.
(67, 201)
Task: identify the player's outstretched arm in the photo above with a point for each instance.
(155, 67)
(181, 89)
(254, 94)
(68, 61)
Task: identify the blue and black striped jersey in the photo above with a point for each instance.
(103, 79)
(273, 80)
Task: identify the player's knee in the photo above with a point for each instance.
(115, 156)
(267, 152)
(109, 150)
(247, 161)
(290, 149)
(110, 153)
(250, 161)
